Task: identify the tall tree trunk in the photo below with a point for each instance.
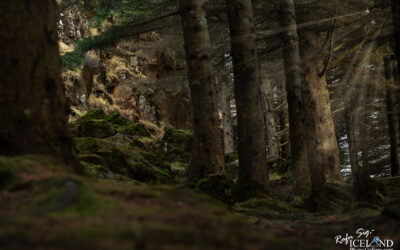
(319, 108)
(296, 101)
(351, 140)
(225, 106)
(270, 125)
(33, 107)
(284, 124)
(251, 123)
(364, 188)
(392, 107)
(396, 24)
(208, 151)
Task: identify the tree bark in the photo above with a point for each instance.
(296, 100)
(33, 107)
(351, 140)
(396, 24)
(284, 124)
(270, 125)
(208, 151)
(225, 106)
(392, 107)
(364, 188)
(319, 106)
(253, 170)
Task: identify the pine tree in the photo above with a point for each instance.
(208, 151)
(253, 173)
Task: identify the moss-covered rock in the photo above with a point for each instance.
(93, 128)
(112, 155)
(178, 144)
(96, 114)
(117, 120)
(179, 169)
(99, 125)
(94, 159)
(140, 165)
(136, 129)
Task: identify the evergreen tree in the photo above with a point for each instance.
(253, 173)
(208, 151)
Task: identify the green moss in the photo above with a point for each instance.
(179, 171)
(66, 195)
(117, 120)
(231, 157)
(96, 124)
(96, 114)
(94, 159)
(86, 145)
(136, 129)
(12, 168)
(140, 165)
(389, 186)
(112, 155)
(297, 201)
(267, 205)
(178, 136)
(94, 128)
(149, 167)
(178, 145)
(218, 186)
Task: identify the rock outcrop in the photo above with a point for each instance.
(140, 77)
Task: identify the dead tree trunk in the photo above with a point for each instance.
(251, 123)
(208, 151)
(33, 107)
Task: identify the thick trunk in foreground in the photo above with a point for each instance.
(392, 107)
(251, 123)
(325, 152)
(208, 151)
(296, 101)
(33, 108)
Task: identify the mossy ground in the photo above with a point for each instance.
(135, 197)
(45, 207)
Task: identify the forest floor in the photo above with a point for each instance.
(140, 205)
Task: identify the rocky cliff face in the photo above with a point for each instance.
(141, 78)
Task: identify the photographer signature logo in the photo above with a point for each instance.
(364, 239)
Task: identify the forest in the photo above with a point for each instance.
(199, 124)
